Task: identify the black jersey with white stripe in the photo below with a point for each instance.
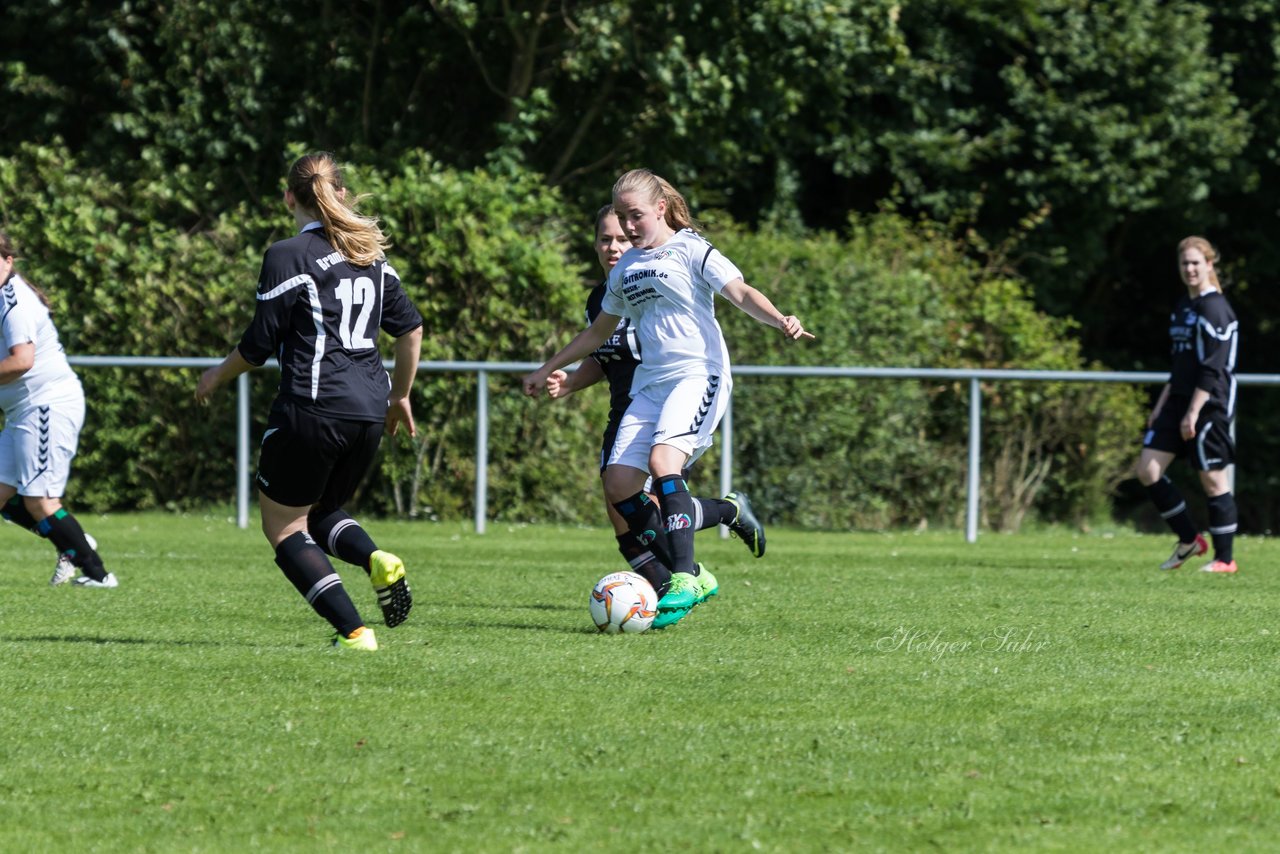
(618, 356)
(1205, 338)
(320, 315)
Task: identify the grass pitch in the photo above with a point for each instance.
(895, 692)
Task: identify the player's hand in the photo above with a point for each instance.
(792, 328)
(558, 384)
(209, 382)
(1188, 426)
(399, 412)
(535, 382)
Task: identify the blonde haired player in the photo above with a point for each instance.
(1193, 415)
(666, 285)
(323, 295)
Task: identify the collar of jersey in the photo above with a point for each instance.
(314, 225)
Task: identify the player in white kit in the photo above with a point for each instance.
(666, 285)
(43, 412)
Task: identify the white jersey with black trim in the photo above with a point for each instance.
(668, 292)
(25, 320)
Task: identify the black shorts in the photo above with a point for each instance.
(610, 436)
(1211, 449)
(307, 459)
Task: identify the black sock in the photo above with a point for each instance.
(341, 536)
(644, 519)
(712, 512)
(67, 537)
(678, 510)
(16, 512)
(643, 561)
(1165, 496)
(1222, 525)
(308, 568)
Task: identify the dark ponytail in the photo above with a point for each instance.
(7, 250)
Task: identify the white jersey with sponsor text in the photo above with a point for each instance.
(668, 292)
(25, 320)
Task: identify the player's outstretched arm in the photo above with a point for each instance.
(583, 344)
(219, 375)
(562, 383)
(762, 309)
(408, 354)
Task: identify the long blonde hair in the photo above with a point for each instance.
(652, 188)
(316, 183)
(1206, 249)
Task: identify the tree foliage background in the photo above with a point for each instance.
(1052, 151)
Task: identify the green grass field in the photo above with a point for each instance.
(896, 692)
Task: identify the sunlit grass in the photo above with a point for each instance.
(848, 691)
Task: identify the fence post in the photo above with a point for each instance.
(726, 458)
(482, 449)
(242, 451)
(975, 444)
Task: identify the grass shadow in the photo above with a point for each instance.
(101, 641)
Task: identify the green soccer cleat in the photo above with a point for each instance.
(707, 584)
(363, 640)
(386, 573)
(682, 594)
(745, 525)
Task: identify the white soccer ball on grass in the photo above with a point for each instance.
(623, 602)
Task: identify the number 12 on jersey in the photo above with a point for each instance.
(355, 336)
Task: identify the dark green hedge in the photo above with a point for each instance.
(496, 264)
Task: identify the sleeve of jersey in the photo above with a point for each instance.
(278, 287)
(399, 315)
(612, 302)
(1216, 343)
(19, 324)
(715, 269)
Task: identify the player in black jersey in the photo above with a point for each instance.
(615, 361)
(322, 297)
(1193, 416)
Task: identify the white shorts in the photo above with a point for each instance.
(37, 446)
(681, 413)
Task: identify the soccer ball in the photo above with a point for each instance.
(623, 602)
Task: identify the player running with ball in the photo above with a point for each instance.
(615, 362)
(666, 285)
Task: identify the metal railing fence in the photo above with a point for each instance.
(974, 376)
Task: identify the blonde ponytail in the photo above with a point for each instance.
(316, 183)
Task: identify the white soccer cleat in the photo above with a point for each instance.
(1183, 552)
(86, 581)
(63, 572)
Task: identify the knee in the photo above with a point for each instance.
(1215, 483)
(39, 507)
(619, 485)
(1148, 471)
